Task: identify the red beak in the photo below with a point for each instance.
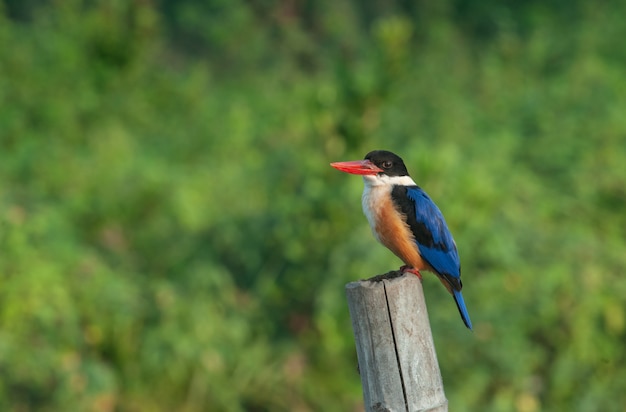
(357, 167)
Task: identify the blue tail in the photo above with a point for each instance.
(460, 303)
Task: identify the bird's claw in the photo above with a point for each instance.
(409, 269)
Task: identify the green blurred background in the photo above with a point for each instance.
(172, 237)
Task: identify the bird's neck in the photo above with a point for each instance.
(377, 196)
(389, 181)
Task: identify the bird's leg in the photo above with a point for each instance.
(407, 268)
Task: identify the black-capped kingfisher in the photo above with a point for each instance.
(407, 221)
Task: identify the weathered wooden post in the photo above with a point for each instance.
(397, 359)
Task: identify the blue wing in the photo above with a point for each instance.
(431, 233)
(433, 239)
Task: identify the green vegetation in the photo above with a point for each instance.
(173, 238)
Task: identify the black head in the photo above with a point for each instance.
(390, 163)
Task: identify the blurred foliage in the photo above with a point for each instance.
(172, 237)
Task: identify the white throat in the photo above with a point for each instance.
(376, 193)
(384, 180)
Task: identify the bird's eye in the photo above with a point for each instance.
(386, 164)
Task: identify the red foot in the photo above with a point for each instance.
(409, 269)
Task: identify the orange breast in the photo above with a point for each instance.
(394, 233)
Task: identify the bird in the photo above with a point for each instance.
(406, 221)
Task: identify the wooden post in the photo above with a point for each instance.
(394, 343)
